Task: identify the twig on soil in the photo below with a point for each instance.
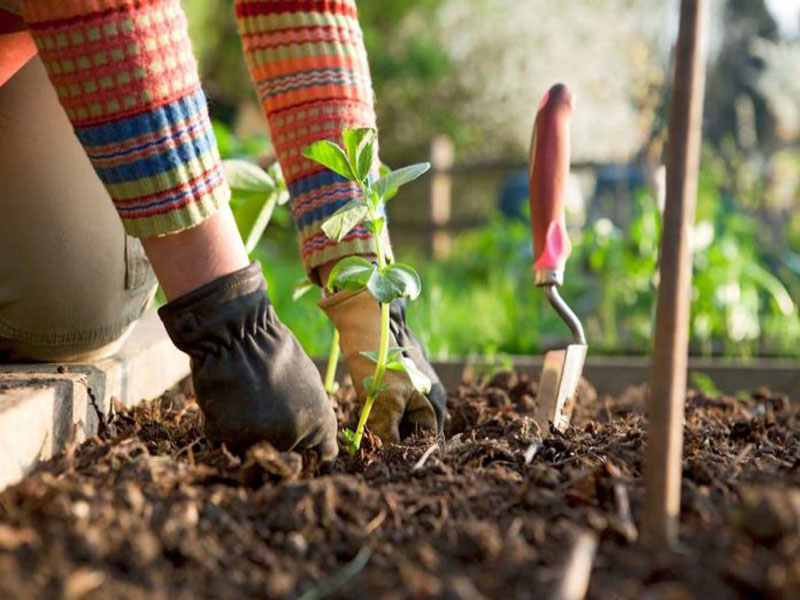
(630, 531)
(465, 589)
(569, 483)
(339, 579)
(424, 458)
(575, 582)
(622, 500)
(376, 522)
(391, 502)
(531, 452)
(444, 515)
(734, 469)
(453, 441)
(188, 448)
(420, 506)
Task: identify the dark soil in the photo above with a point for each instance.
(149, 510)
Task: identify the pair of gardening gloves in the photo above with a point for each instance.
(254, 382)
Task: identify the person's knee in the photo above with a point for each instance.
(14, 350)
(70, 280)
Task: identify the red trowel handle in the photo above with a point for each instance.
(548, 181)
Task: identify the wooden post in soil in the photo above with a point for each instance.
(668, 370)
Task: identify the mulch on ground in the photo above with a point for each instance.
(148, 509)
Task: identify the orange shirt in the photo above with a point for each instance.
(16, 45)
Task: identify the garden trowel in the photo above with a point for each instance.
(550, 155)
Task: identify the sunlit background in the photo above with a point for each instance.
(467, 75)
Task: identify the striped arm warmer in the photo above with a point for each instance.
(125, 74)
(308, 63)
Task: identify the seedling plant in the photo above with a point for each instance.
(354, 161)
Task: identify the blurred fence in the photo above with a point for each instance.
(432, 225)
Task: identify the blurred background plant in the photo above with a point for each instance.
(473, 70)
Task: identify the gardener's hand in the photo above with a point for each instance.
(400, 409)
(251, 377)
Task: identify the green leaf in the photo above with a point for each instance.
(351, 273)
(275, 172)
(375, 226)
(373, 356)
(382, 288)
(349, 437)
(705, 384)
(419, 380)
(246, 177)
(367, 383)
(393, 351)
(354, 138)
(405, 278)
(330, 155)
(395, 179)
(773, 286)
(360, 145)
(383, 171)
(366, 153)
(394, 281)
(247, 207)
(340, 223)
(301, 288)
(374, 201)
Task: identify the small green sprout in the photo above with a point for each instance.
(386, 282)
(705, 384)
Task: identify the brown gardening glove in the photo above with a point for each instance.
(401, 409)
(252, 379)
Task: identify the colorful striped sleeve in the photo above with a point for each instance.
(126, 76)
(309, 66)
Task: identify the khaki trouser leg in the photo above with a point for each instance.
(72, 284)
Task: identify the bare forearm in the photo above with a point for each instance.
(194, 257)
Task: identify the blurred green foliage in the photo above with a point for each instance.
(482, 300)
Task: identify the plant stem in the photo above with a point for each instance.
(380, 369)
(261, 222)
(379, 251)
(383, 347)
(333, 360)
(383, 351)
(375, 235)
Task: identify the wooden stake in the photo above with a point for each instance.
(668, 370)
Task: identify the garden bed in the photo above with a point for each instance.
(148, 510)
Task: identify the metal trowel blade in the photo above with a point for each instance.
(558, 384)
